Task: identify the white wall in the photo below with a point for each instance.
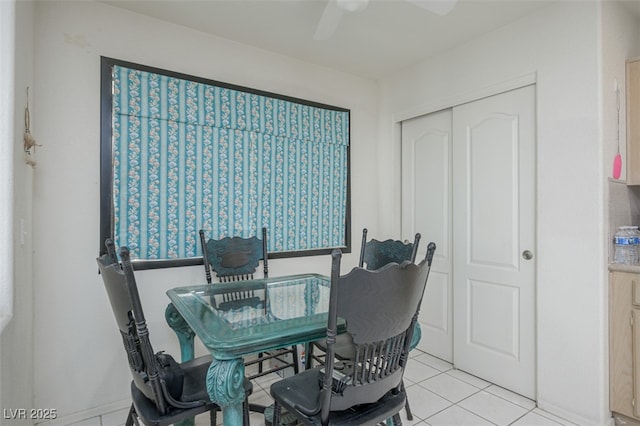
(559, 43)
(79, 361)
(16, 344)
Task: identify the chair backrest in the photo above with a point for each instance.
(157, 376)
(375, 254)
(234, 258)
(380, 308)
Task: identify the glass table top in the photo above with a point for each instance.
(238, 318)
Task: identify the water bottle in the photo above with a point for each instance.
(626, 243)
(634, 255)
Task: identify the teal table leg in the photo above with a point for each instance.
(225, 380)
(183, 331)
(417, 335)
(394, 421)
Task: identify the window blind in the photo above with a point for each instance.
(187, 155)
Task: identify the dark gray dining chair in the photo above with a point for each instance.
(374, 254)
(235, 259)
(163, 392)
(380, 308)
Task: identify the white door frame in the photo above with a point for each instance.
(450, 102)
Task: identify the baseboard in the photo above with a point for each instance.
(572, 417)
(87, 414)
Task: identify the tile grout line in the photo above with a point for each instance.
(476, 414)
(521, 416)
(528, 410)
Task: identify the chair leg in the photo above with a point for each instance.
(245, 411)
(295, 359)
(260, 363)
(213, 417)
(131, 417)
(308, 357)
(276, 414)
(397, 421)
(407, 408)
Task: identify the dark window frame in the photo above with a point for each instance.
(106, 165)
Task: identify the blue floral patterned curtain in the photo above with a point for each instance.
(190, 156)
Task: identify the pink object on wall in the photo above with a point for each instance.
(617, 166)
(617, 160)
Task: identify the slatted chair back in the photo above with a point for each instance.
(375, 254)
(234, 258)
(158, 377)
(380, 308)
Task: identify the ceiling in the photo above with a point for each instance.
(385, 37)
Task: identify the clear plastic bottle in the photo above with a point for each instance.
(626, 243)
(635, 248)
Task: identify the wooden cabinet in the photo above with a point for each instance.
(624, 343)
(633, 121)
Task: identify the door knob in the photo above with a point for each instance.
(527, 255)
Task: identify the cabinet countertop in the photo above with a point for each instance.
(622, 267)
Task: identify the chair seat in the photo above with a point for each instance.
(147, 412)
(300, 395)
(195, 379)
(301, 391)
(344, 348)
(194, 389)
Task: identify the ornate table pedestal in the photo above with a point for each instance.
(225, 380)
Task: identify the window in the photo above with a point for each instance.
(181, 153)
(7, 141)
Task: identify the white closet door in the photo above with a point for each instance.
(494, 239)
(426, 208)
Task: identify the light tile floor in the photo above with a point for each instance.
(439, 395)
(442, 396)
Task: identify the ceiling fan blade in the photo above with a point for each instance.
(328, 21)
(439, 7)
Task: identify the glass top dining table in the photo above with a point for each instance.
(240, 318)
